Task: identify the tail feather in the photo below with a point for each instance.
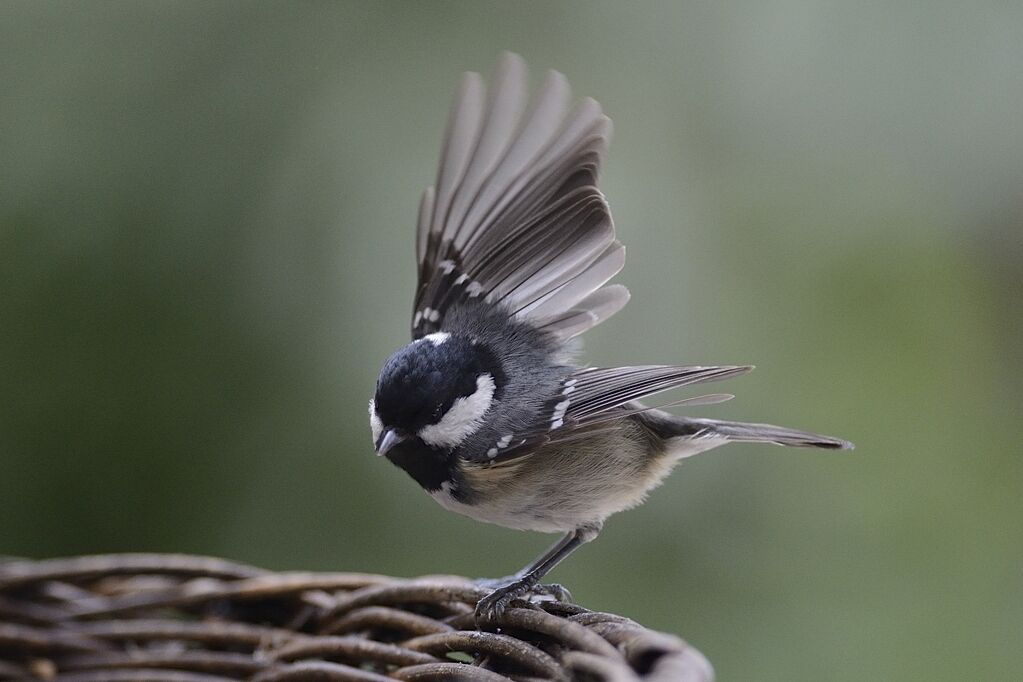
(741, 432)
(699, 435)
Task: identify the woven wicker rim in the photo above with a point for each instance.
(180, 618)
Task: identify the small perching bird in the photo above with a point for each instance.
(486, 408)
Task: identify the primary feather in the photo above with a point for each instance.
(515, 217)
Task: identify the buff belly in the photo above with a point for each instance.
(561, 488)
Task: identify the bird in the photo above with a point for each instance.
(488, 408)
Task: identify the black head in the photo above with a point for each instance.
(436, 390)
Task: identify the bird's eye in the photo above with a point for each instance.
(438, 412)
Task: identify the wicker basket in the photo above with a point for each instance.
(176, 618)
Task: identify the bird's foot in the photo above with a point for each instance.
(506, 590)
(492, 607)
(554, 591)
(495, 583)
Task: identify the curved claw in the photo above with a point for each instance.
(492, 607)
(555, 591)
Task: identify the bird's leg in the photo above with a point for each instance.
(523, 582)
(494, 583)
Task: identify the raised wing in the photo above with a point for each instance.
(515, 217)
(592, 396)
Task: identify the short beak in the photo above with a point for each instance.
(388, 439)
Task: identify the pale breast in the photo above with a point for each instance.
(562, 487)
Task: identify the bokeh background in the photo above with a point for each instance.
(206, 229)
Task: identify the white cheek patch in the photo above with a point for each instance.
(375, 425)
(463, 418)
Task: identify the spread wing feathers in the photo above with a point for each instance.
(589, 312)
(591, 392)
(592, 396)
(515, 217)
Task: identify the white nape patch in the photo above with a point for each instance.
(375, 425)
(463, 418)
(437, 338)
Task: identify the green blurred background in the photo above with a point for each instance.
(206, 229)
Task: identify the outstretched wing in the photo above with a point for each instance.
(592, 396)
(515, 216)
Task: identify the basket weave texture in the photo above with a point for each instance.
(178, 618)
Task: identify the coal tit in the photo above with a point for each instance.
(486, 408)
